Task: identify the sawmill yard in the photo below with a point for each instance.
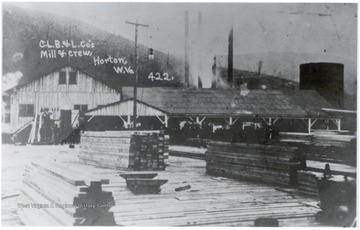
(191, 197)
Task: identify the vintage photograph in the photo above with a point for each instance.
(179, 114)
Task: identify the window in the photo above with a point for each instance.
(72, 78)
(62, 78)
(7, 117)
(26, 110)
(81, 107)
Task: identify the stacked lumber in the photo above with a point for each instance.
(326, 139)
(187, 151)
(296, 138)
(147, 151)
(55, 195)
(166, 149)
(276, 165)
(330, 154)
(107, 149)
(319, 138)
(332, 168)
(308, 185)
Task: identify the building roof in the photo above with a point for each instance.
(231, 102)
(125, 108)
(45, 71)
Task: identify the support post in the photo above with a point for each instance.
(166, 118)
(128, 121)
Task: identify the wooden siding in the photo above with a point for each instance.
(50, 83)
(47, 93)
(126, 109)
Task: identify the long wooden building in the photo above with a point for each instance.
(229, 105)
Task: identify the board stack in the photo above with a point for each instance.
(107, 149)
(308, 185)
(346, 155)
(331, 138)
(56, 195)
(296, 138)
(276, 165)
(147, 152)
(166, 149)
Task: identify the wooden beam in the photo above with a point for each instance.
(235, 121)
(337, 122)
(94, 116)
(198, 121)
(313, 122)
(125, 122)
(162, 122)
(276, 119)
(269, 121)
(305, 121)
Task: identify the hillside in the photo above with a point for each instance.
(24, 29)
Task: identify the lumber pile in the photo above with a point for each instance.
(323, 146)
(326, 139)
(296, 138)
(147, 151)
(346, 155)
(276, 165)
(187, 151)
(56, 195)
(111, 149)
(307, 184)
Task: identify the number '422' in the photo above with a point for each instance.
(157, 77)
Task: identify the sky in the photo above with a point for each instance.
(258, 27)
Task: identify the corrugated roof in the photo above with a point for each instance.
(231, 102)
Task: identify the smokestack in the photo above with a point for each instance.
(199, 44)
(186, 48)
(230, 58)
(213, 82)
(199, 83)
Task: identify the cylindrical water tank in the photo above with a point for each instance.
(325, 78)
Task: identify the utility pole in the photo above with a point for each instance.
(136, 24)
